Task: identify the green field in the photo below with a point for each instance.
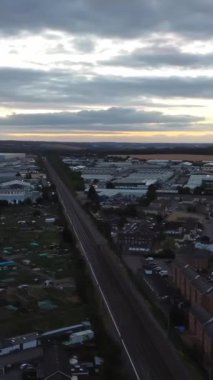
(41, 254)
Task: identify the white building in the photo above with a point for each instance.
(133, 182)
(100, 177)
(17, 191)
(80, 337)
(158, 162)
(128, 193)
(11, 156)
(19, 343)
(15, 184)
(14, 196)
(147, 176)
(195, 180)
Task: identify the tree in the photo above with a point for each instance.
(121, 222)
(191, 208)
(39, 200)
(169, 246)
(159, 218)
(110, 185)
(92, 195)
(68, 236)
(105, 228)
(130, 211)
(28, 176)
(150, 196)
(197, 190)
(151, 193)
(204, 239)
(184, 190)
(3, 203)
(27, 201)
(37, 213)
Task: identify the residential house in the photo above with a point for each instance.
(199, 259)
(192, 286)
(201, 326)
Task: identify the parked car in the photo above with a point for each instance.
(163, 273)
(157, 269)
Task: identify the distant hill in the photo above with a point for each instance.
(105, 147)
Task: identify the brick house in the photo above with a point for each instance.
(192, 286)
(201, 327)
(198, 259)
(136, 238)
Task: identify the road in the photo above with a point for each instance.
(151, 355)
(21, 357)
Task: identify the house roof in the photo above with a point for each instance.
(56, 362)
(15, 182)
(10, 342)
(196, 280)
(204, 317)
(200, 313)
(202, 285)
(23, 338)
(58, 375)
(190, 252)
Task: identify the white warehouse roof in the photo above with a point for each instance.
(196, 180)
(134, 193)
(101, 177)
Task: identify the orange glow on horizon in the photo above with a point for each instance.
(113, 134)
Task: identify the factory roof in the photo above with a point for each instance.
(104, 177)
(195, 180)
(124, 192)
(202, 314)
(136, 179)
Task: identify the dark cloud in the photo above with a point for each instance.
(155, 57)
(64, 89)
(79, 16)
(80, 24)
(120, 18)
(110, 119)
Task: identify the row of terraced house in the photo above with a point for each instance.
(199, 293)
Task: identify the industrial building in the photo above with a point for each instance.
(127, 193)
(99, 177)
(197, 180)
(19, 343)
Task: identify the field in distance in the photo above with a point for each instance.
(184, 157)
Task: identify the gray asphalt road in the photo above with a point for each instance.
(147, 348)
(21, 357)
(12, 375)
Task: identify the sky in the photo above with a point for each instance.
(115, 70)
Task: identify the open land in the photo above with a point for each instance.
(39, 292)
(183, 157)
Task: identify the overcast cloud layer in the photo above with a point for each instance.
(120, 18)
(96, 65)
